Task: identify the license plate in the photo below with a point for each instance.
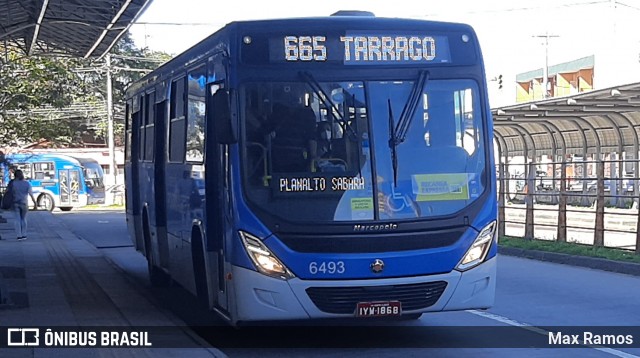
(378, 309)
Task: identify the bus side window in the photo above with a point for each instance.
(27, 170)
(43, 171)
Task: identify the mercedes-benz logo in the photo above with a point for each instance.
(377, 266)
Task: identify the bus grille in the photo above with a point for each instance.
(361, 243)
(343, 300)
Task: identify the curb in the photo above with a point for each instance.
(100, 208)
(628, 268)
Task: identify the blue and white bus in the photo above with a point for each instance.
(59, 180)
(322, 167)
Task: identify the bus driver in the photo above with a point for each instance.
(293, 136)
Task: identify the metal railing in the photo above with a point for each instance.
(596, 210)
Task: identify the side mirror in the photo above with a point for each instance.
(224, 123)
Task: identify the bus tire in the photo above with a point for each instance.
(199, 273)
(46, 201)
(157, 276)
(66, 208)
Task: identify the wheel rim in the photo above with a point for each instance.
(46, 202)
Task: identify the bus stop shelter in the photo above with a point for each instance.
(78, 28)
(597, 122)
(601, 123)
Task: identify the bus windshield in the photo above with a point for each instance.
(93, 175)
(335, 151)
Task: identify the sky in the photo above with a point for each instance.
(511, 32)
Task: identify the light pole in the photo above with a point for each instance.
(113, 167)
(545, 69)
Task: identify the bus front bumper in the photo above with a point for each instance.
(262, 298)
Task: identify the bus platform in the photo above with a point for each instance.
(55, 280)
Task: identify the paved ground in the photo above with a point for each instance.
(55, 279)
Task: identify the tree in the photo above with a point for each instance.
(27, 83)
(63, 100)
(128, 64)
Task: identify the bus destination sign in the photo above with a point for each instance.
(367, 49)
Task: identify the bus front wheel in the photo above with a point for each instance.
(66, 208)
(46, 202)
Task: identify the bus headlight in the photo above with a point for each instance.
(263, 259)
(478, 250)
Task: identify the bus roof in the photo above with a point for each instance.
(84, 160)
(219, 40)
(34, 157)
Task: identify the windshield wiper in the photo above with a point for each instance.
(393, 144)
(331, 108)
(398, 134)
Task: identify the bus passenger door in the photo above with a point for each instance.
(69, 182)
(216, 208)
(160, 187)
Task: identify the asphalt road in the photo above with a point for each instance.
(533, 298)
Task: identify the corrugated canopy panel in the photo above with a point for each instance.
(613, 113)
(79, 28)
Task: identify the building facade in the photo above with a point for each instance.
(562, 79)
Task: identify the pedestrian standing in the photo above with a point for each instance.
(21, 192)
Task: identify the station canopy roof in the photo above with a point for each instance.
(597, 122)
(79, 28)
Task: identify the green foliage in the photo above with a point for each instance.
(570, 249)
(128, 64)
(36, 92)
(29, 82)
(17, 129)
(101, 130)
